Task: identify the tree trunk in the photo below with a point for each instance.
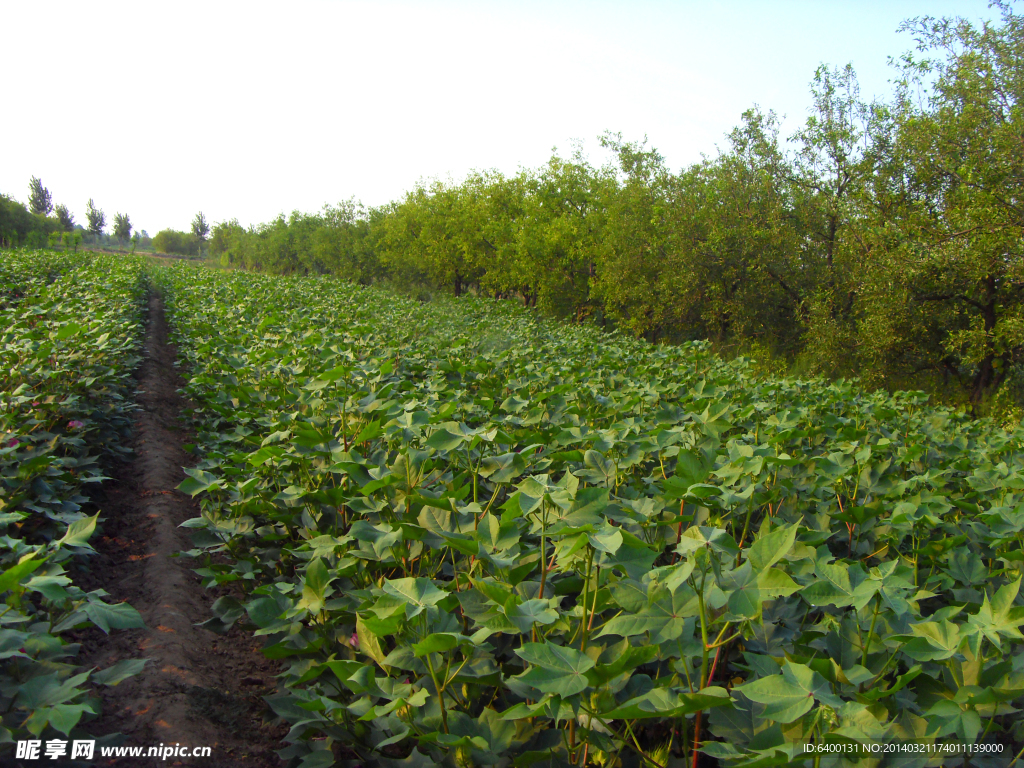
(986, 379)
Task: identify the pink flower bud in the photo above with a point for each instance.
(75, 424)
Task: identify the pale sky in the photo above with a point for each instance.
(247, 110)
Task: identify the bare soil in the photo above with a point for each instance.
(199, 688)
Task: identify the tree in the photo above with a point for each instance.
(96, 217)
(173, 241)
(201, 229)
(967, 155)
(122, 226)
(829, 175)
(39, 198)
(65, 217)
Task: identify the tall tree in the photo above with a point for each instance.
(39, 199)
(122, 227)
(201, 229)
(65, 217)
(97, 219)
(964, 229)
(829, 175)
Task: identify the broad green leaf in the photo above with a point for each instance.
(663, 616)
(531, 612)
(416, 592)
(833, 585)
(13, 575)
(790, 695)
(78, 533)
(771, 548)
(443, 440)
(439, 642)
(555, 669)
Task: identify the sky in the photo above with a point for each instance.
(249, 110)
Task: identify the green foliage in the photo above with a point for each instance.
(40, 201)
(65, 217)
(173, 241)
(70, 341)
(19, 227)
(880, 241)
(122, 227)
(473, 536)
(97, 219)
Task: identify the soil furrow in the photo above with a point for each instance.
(199, 689)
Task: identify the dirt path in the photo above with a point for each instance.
(199, 689)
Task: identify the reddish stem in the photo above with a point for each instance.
(696, 722)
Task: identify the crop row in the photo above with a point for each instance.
(472, 536)
(70, 340)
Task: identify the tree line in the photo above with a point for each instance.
(184, 243)
(40, 223)
(881, 240)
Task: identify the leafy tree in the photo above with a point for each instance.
(65, 217)
(122, 227)
(173, 241)
(635, 273)
(97, 219)
(200, 229)
(958, 259)
(39, 199)
(828, 175)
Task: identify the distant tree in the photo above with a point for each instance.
(39, 198)
(66, 218)
(201, 229)
(97, 220)
(122, 226)
(172, 241)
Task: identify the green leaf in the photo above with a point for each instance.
(13, 575)
(833, 586)
(692, 467)
(369, 643)
(116, 616)
(67, 331)
(64, 717)
(663, 616)
(790, 695)
(771, 548)
(532, 611)
(664, 704)
(443, 440)
(715, 539)
(556, 669)
(932, 641)
(999, 617)
(199, 481)
(632, 555)
(78, 533)
(314, 586)
(416, 592)
(438, 642)
(120, 671)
